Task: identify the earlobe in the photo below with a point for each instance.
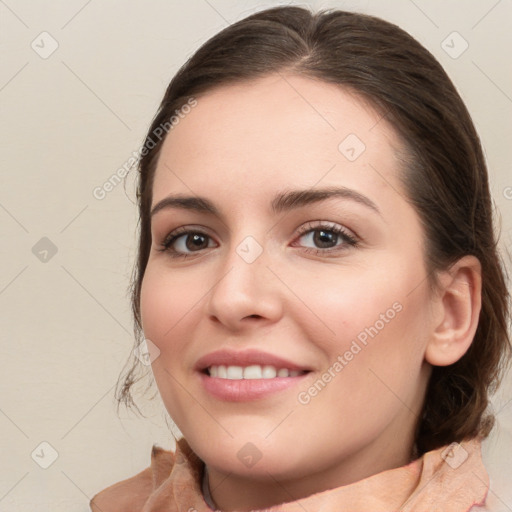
(458, 307)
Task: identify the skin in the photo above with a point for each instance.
(238, 147)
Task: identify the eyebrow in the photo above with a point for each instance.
(282, 202)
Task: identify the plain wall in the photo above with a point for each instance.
(71, 120)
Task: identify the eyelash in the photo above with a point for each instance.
(346, 238)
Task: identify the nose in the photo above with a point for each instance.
(245, 292)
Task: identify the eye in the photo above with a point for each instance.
(326, 238)
(183, 242)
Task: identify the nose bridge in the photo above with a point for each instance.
(246, 287)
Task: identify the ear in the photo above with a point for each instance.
(457, 311)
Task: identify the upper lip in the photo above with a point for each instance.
(246, 357)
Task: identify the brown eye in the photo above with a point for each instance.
(194, 241)
(322, 238)
(326, 237)
(183, 243)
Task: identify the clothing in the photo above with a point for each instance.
(449, 479)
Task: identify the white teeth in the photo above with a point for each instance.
(254, 371)
(269, 372)
(235, 372)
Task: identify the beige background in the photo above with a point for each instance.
(69, 122)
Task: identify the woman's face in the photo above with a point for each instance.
(331, 283)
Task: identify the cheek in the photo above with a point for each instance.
(374, 362)
(380, 307)
(382, 342)
(164, 305)
(345, 301)
(153, 297)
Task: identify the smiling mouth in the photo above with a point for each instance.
(251, 372)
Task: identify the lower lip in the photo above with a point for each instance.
(242, 390)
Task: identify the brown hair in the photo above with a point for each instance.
(444, 172)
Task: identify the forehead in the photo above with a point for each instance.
(275, 131)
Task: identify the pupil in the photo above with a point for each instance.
(325, 237)
(197, 241)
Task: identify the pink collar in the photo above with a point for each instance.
(451, 478)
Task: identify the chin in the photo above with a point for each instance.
(255, 459)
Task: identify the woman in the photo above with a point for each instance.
(318, 283)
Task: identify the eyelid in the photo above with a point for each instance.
(318, 224)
